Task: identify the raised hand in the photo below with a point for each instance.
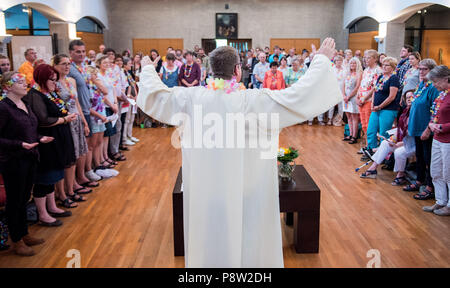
(327, 48)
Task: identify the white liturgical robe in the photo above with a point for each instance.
(230, 197)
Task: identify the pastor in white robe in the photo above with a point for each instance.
(230, 196)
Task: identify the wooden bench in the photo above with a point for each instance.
(300, 200)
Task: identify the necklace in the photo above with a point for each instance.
(418, 92)
(52, 96)
(437, 105)
(228, 85)
(188, 70)
(380, 83)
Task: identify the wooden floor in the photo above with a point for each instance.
(127, 222)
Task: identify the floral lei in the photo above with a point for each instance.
(228, 85)
(380, 83)
(418, 92)
(437, 105)
(83, 71)
(16, 78)
(52, 96)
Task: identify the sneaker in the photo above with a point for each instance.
(321, 123)
(128, 142)
(310, 123)
(113, 172)
(443, 211)
(361, 151)
(134, 139)
(92, 176)
(432, 208)
(369, 174)
(104, 173)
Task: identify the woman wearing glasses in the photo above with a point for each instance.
(53, 120)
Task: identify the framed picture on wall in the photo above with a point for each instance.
(226, 25)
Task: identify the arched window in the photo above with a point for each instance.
(86, 24)
(365, 24)
(26, 19)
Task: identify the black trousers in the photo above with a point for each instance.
(18, 176)
(123, 117)
(423, 155)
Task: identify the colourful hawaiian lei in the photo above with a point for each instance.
(380, 83)
(52, 96)
(418, 92)
(437, 105)
(14, 79)
(228, 85)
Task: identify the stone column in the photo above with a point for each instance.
(66, 32)
(394, 40)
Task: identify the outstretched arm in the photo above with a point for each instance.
(155, 98)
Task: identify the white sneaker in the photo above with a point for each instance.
(92, 176)
(128, 142)
(134, 139)
(113, 172)
(104, 173)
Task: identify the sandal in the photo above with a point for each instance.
(372, 174)
(112, 162)
(399, 181)
(108, 165)
(76, 198)
(92, 184)
(80, 192)
(412, 187)
(424, 195)
(347, 138)
(123, 148)
(68, 203)
(353, 141)
(119, 157)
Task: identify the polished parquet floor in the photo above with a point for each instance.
(127, 221)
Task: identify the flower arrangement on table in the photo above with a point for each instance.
(286, 158)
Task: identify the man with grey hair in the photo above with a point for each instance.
(230, 192)
(260, 70)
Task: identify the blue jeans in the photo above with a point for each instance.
(379, 122)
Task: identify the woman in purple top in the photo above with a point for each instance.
(190, 73)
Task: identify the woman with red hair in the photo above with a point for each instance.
(53, 120)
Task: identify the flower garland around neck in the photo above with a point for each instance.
(188, 70)
(437, 105)
(16, 78)
(52, 96)
(83, 71)
(228, 85)
(380, 83)
(70, 88)
(419, 92)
